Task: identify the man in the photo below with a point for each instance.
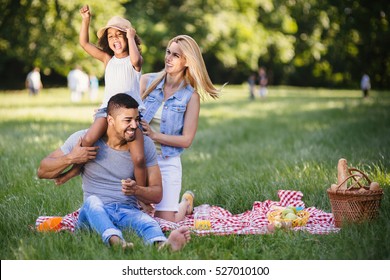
(110, 192)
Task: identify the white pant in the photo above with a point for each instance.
(75, 96)
(171, 173)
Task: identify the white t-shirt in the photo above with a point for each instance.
(34, 80)
(121, 77)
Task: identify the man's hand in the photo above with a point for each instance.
(129, 186)
(81, 155)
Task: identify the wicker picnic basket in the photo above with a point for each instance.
(357, 203)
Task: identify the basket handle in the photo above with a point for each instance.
(349, 177)
(360, 176)
(360, 172)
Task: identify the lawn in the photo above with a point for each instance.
(244, 151)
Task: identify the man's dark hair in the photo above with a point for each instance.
(121, 100)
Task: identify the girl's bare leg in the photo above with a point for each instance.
(136, 149)
(97, 130)
(174, 216)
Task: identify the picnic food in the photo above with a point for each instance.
(342, 173)
(287, 217)
(51, 224)
(334, 187)
(203, 224)
(374, 186)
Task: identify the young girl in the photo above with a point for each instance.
(120, 52)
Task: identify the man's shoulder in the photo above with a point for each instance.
(148, 143)
(80, 132)
(74, 137)
(150, 151)
(72, 140)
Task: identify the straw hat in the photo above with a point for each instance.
(117, 23)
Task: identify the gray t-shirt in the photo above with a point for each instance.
(102, 176)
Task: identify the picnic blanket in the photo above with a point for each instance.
(223, 222)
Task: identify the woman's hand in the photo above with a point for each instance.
(146, 130)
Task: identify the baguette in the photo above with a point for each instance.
(342, 173)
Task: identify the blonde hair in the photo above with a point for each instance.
(195, 74)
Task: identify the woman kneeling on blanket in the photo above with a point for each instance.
(172, 101)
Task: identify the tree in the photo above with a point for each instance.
(227, 31)
(45, 34)
(302, 42)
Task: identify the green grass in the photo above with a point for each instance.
(243, 152)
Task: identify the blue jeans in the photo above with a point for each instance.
(108, 219)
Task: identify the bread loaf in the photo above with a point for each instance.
(342, 173)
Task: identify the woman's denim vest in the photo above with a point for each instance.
(172, 117)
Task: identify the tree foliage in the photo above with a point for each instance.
(45, 34)
(301, 42)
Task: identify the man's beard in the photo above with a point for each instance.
(130, 138)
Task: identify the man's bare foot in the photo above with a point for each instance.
(115, 241)
(178, 238)
(65, 177)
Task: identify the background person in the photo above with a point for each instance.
(252, 85)
(77, 83)
(172, 101)
(365, 85)
(110, 195)
(33, 81)
(93, 87)
(263, 82)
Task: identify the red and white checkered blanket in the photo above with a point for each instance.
(223, 222)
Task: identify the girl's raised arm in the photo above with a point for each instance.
(84, 37)
(135, 56)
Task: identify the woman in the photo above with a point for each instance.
(172, 101)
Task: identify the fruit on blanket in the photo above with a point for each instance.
(290, 216)
(286, 218)
(374, 186)
(277, 224)
(287, 211)
(292, 208)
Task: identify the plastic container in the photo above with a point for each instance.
(202, 217)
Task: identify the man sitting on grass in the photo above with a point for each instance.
(110, 196)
